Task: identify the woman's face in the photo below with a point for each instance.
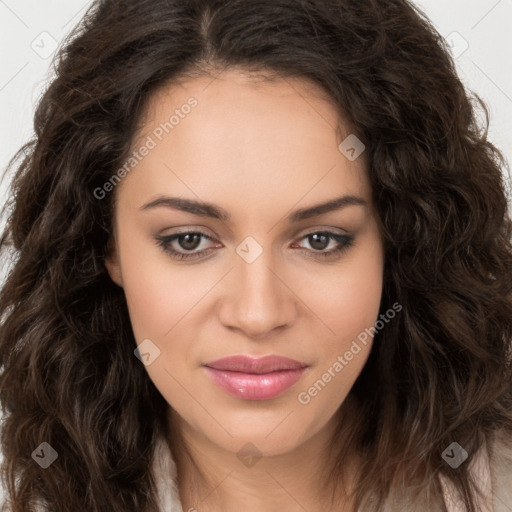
(262, 278)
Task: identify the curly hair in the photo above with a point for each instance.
(441, 372)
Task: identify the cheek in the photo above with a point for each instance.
(348, 300)
(349, 305)
(158, 293)
(357, 301)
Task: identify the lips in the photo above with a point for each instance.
(255, 379)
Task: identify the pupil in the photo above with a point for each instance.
(315, 242)
(187, 245)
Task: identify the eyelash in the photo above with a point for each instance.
(164, 242)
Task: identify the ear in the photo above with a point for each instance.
(112, 262)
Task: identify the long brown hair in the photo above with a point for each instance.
(440, 372)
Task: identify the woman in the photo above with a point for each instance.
(337, 337)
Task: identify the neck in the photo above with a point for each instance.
(211, 478)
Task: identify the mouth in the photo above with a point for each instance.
(255, 379)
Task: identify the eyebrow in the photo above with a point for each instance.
(204, 209)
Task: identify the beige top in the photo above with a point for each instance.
(496, 485)
(495, 482)
(481, 470)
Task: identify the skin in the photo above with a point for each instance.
(259, 150)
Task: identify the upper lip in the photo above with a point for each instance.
(247, 364)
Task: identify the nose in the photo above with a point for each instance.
(258, 299)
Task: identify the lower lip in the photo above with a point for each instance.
(251, 386)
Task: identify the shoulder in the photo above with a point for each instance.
(164, 473)
(166, 478)
(491, 470)
(500, 454)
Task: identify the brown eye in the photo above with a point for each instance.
(178, 244)
(189, 241)
(320, 240)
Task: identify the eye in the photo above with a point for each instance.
(320, 240)
(191, 241)
(188, 240)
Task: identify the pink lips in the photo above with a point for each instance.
(255, 379)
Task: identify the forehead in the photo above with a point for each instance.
(247, 135)
(235, 104)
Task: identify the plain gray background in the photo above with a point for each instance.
(30, 30)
